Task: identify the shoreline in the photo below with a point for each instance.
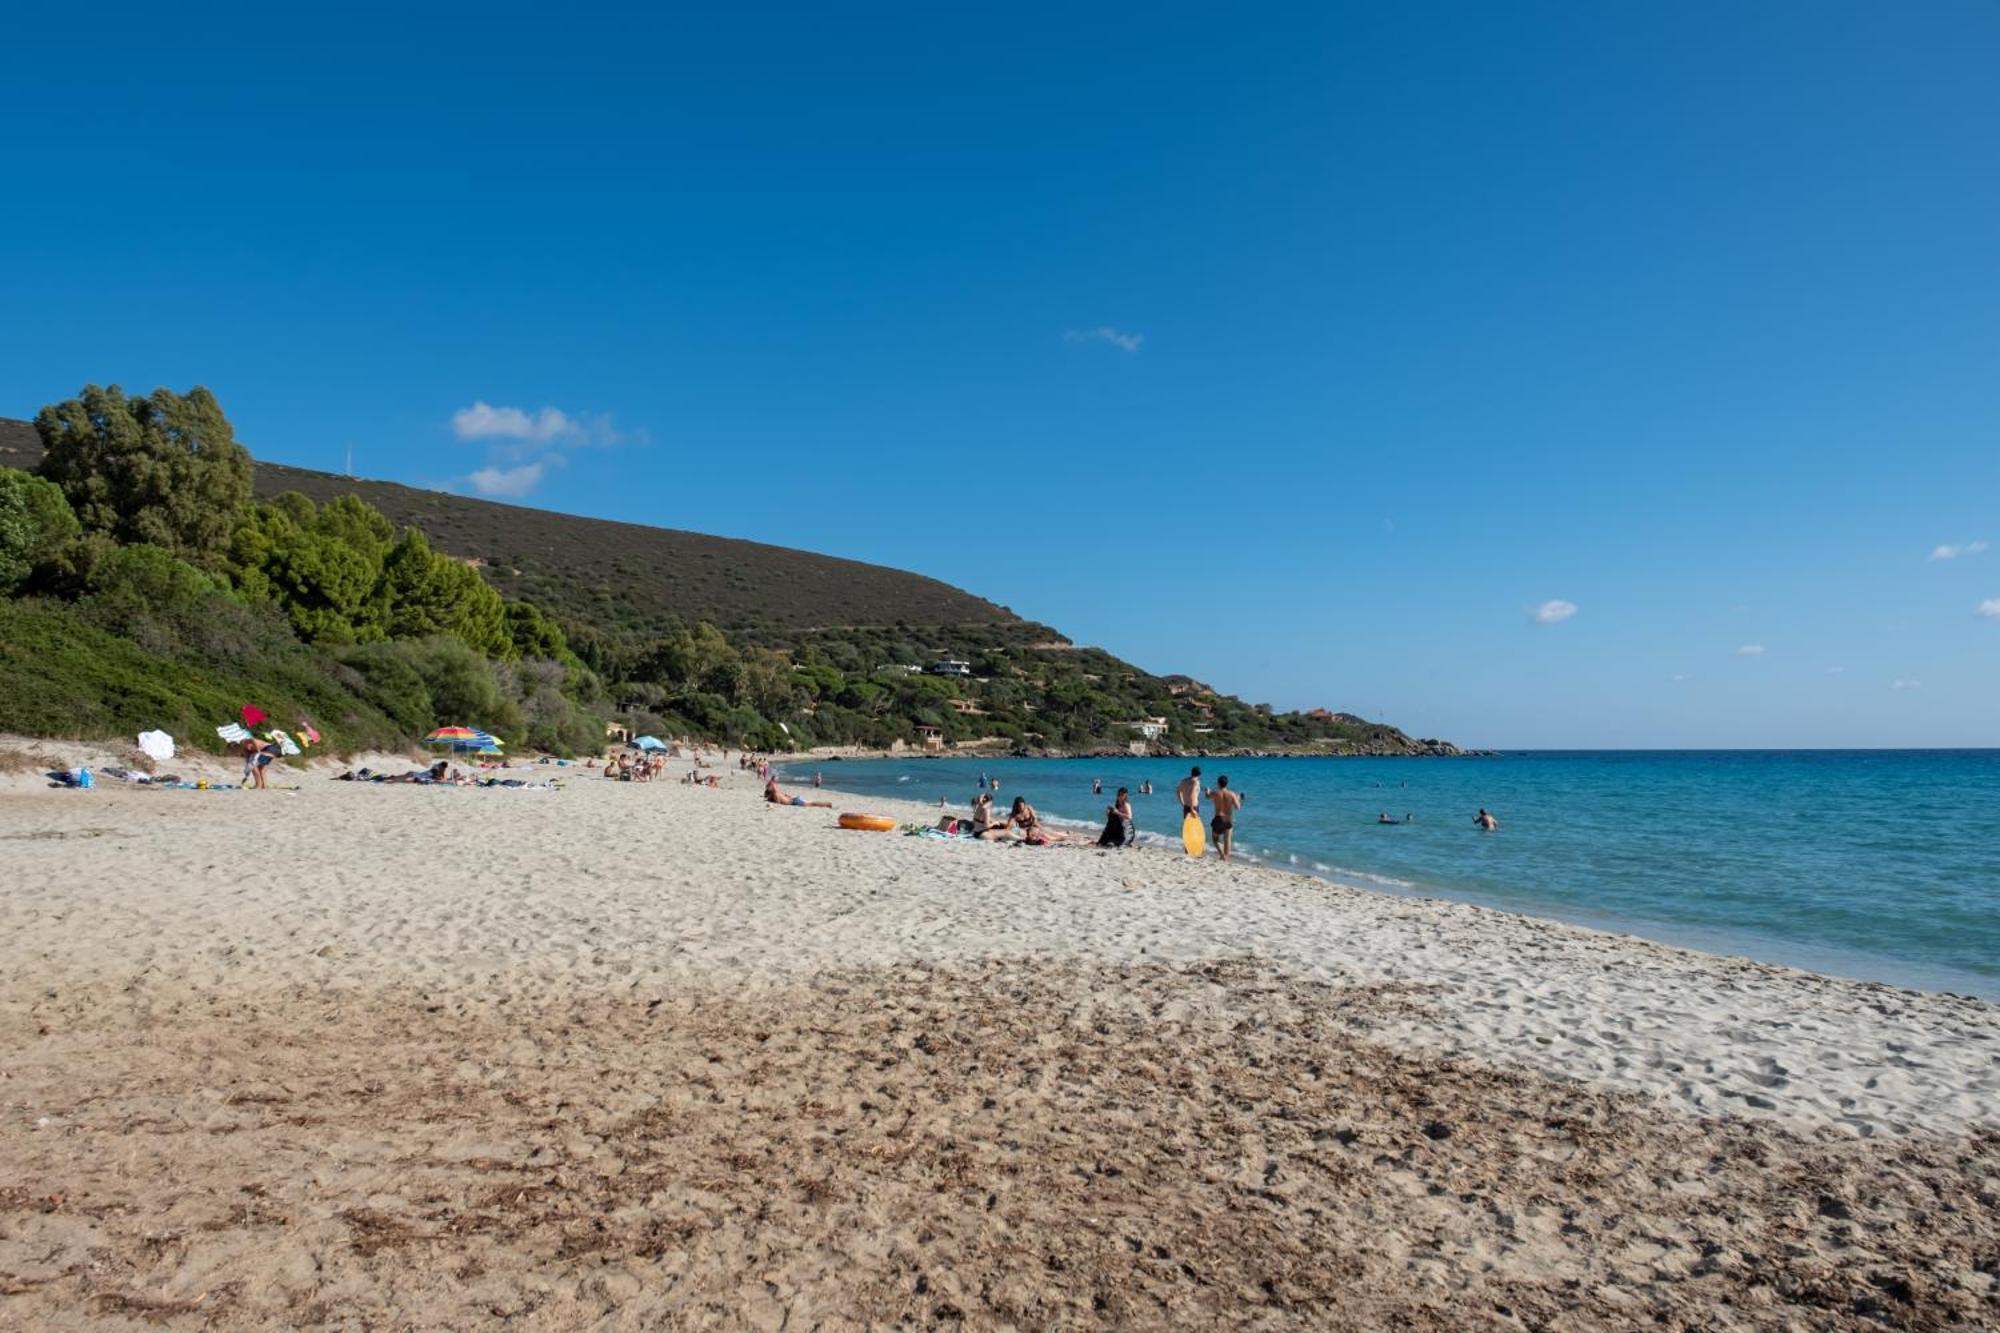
(1717, 942)
(646, 1054)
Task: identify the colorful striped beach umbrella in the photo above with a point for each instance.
(462, 738)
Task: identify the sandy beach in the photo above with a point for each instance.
(641, 1056)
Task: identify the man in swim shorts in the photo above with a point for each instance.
(1223, 826)
(1189, 792)
(257, 756)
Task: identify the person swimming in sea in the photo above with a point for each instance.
(1484, 821)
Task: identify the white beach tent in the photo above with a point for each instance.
(157, 745)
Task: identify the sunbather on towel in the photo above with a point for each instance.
(776, 797)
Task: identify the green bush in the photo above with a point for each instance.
(63, 676)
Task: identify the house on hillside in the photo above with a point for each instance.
(965, 706)
(931, 739)
(949, 666)
(1152, 728)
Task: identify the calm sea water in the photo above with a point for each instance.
(1883, 865)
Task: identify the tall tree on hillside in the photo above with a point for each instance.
(429, 593)
(163, 469)
(35, 525)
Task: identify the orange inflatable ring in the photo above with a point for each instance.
(874, 823)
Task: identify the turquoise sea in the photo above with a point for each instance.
(1877, 864)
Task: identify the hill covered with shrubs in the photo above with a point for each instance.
(152, 574)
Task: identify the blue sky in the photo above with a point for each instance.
(1310, 350)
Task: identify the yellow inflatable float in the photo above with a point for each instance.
(873, 823)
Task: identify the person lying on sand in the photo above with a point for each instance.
(776, 797)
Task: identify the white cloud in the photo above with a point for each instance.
(1552, 612)
(1124, 342)
(1835, 671)
(482, 421)
(1906, 685)
(1954, 552)
(1990, 608)
(507, 483)
(1751, 650)
(1680, 676)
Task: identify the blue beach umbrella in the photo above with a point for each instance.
(649, 743)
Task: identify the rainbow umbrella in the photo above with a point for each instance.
(461, 738)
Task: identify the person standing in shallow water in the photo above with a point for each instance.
(1223, 826)
(1484, 821)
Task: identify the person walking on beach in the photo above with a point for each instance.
(1189, 793)
(1484, 821)
(1223, 826)
(818, 781)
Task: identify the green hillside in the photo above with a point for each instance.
(322, 594)
(625, 577)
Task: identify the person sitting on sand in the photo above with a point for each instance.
(1119, 830)
(983, 825)
(1023, 818)
(1485, 821)
(776, 797)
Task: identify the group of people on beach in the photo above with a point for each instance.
(1121, 828)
